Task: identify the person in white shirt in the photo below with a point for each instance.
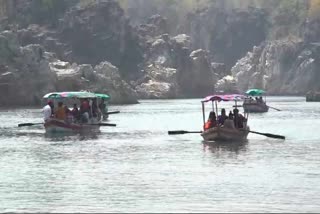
(47, 111)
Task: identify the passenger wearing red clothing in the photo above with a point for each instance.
(212, 121)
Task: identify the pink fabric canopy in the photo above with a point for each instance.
(225, 97)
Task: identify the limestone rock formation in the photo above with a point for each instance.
(25, 75)
(287, 66)
(103, 78)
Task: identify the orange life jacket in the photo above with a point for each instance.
(207, 125)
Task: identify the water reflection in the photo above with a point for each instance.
(215, 147)
(72, 136)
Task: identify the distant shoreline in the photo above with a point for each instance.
(6, 107)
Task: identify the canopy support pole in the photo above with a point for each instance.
(216, 109)
(203, 114)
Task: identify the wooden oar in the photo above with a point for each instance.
(269, 135)
(182, 132)
(112, 112)
(274, 108)
(101, 124)
(28, 124)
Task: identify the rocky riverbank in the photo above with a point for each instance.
(93, 45)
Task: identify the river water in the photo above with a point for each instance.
(138, 167)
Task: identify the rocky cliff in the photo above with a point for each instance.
(228, 35)
(287, 66)
(92, 45)
(29, 72)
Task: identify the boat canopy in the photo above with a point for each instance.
(255, 92)
(70, 94)
(225, 97)
(102, 96)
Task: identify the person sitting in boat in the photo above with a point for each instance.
(222, 117)
(85, 117)
(102, 106)
(69, 116)
(239, 119)
(230, 115)
(75, 112)
(95, 110)
(261, 100)
(60, 113)
(228, 123)
(85, 111)
(48, 111)
(212, 121)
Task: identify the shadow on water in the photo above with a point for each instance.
(236, 146)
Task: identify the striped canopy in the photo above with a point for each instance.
(70, 94)
(225, 97)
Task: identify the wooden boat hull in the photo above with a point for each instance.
(225, 134)
(53, 126)
(254, 107)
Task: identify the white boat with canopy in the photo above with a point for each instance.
(73, 97)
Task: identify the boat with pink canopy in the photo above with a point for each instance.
(224, 132)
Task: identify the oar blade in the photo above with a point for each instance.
(182, 132)
(28, 124)
(269, 135)
(112, 112)
(25, 124)
(275, 136)
(177, 132)
(105, 124)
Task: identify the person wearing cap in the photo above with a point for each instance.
(48, 110)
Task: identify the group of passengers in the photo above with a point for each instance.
(233, 120)
(256, 100)
(75, 115)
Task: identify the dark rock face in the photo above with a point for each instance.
(311, 29)
(227, 35)
(99, 32)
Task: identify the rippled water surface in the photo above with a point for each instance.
(138, 167)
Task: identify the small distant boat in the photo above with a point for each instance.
(313, 96)
(223, 133)
(254, 102)
(54, 125)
